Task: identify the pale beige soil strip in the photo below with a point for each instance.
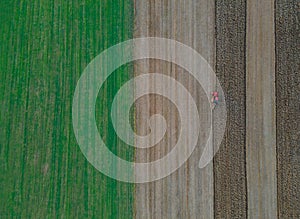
(260, 101)
(187, 193)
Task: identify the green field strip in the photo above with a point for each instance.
(45, 46)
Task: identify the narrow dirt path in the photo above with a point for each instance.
(261, 110)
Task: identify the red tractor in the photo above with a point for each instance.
(215, 97)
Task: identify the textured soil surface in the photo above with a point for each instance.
(230, 193)
(288, 108)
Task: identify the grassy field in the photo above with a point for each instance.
(45, 46)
